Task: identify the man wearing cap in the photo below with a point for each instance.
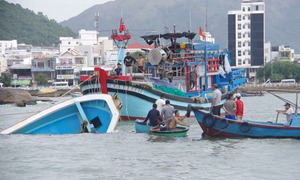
(216, 100)
(128, 61)
(288, 112)
(239, 107)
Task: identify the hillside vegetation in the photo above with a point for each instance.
(28, 27)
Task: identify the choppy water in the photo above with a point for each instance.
(124, 154)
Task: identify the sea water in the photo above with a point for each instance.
(124, 154)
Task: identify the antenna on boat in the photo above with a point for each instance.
(205, 50)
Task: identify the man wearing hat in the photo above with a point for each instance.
(216, 100)
(288, 112)
(128, 61)
(239, 107)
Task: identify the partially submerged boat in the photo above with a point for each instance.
(141, 127)
(219, 126)
(95, 113)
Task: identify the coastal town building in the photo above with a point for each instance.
(246, 36)
(69, 64)
(283, 53)
(7, 44)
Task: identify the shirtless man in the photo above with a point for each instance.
(176, 120)
(140, 64)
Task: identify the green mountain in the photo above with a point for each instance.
(28, 27)
(141, 17)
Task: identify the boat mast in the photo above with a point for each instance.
(205, 51)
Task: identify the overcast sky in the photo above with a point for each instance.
(59, 10)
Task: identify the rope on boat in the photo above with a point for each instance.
(284, 100)
(77, 86)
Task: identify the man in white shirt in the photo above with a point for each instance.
(216, 100)
(288, 112)
(160, 103)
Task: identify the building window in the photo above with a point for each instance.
(248, 8)
(256, 8)
(244, 35)
(244, 52)
(239, 44)
(239, 35)
(69, 42)
(243, 9)
(243, 17)
(239, 26)
(239, 17)
(239, 62)
(239, 53)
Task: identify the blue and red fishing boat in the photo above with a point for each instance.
(219, 126)
(171, 70)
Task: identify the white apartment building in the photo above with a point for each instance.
(246, 35)
(85, 38)
(7, 44)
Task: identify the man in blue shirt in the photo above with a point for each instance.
(153, 115)
(118, 70)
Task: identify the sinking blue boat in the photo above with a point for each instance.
(95, 113)
(141, 127)
(218, 126)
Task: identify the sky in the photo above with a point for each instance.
(58, 10)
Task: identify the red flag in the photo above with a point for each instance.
(122, 26)
(201, 33)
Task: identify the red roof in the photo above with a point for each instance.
(136, 45)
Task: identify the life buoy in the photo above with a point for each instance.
(208, 120)
(188, 112)
(223, 123)
(245, 127)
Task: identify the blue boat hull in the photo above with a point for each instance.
(67, 117)
(217, 126)
(141, 127)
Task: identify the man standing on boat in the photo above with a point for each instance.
(239, 107)
(216, 101)
(128, 61)
(230, 107)
(140, 64)
(167, 111)
(160, 103)
(193, 78)
(288, 112)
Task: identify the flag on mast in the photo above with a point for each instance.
(201, 33)
(122, 26)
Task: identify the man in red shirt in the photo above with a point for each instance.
(239, 107)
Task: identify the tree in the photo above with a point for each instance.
(41, 78)
(276, 71)
(5, 79)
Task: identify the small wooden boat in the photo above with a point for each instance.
(141, 127)
(95, 113)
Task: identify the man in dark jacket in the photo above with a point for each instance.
(128, 61)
